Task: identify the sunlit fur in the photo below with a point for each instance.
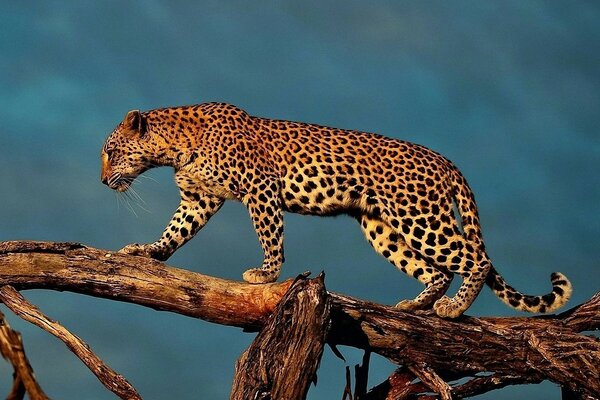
(401, 193)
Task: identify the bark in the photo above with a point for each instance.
(76, 268)
(109, 378)
(532, 349)
(282, 361)
(11, 347)
(508, 350)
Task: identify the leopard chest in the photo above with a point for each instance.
(204, 182)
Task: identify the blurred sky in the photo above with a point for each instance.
(508, 90)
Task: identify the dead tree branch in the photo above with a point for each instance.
(76, 268)
(109, 378)
(283, 359)
(11, 347)
(508, 350)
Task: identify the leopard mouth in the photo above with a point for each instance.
(120, 182)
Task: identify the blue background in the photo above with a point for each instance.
(509, 90)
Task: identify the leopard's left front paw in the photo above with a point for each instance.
(446, 307)
(259, 275)
(144, 250)
(408, 305)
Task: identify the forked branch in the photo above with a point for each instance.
(492, 351)
(109, 378)
(11, 347)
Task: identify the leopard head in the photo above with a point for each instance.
(124, 152)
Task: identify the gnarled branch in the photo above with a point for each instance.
(109, 378)
(511, 350)
(283, 359)
(11, 347)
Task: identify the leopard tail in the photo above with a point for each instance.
(561, 286)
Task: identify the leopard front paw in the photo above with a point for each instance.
(144, 250)
(408, 305)
(445, 307)
(259, 275)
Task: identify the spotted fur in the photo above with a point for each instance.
(401, 193)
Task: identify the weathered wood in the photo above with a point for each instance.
(11, 347)
(282, 361)
(429, 377)
(401, 386)
(398, 386)
(361, 374)
(515, 349)
(109, 378)
(569, 394)
(76, 268)
(536, 348)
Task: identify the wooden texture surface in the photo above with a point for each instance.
(109, 378)
(508, 350)
(282, 361)
(11, 347)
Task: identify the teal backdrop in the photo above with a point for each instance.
(508, 90)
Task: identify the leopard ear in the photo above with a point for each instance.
(134, 121)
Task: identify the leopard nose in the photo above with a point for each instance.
(104, 179)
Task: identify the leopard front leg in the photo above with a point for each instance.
(267, 217)
(193, 213)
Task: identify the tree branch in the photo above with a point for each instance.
(430, 378)
(400, 386)
(11, 347)
(109, 378)
(531, 349)
(536, 347)
(282, 361)
(76, 268)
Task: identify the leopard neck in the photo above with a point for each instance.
(169, 143)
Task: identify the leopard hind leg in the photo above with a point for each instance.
(449, 250)
(390, 244)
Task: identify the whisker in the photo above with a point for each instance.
(136, 195)
(118, 202)
(129, 197)
(138, 201)
(150, 178)
(126, 198)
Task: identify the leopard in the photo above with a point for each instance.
(414, 206)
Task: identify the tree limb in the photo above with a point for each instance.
(532, 349)
(536, 347)
(109, 378)
(282, 361)
(76, 268)
(11, 347)
(430, 378)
